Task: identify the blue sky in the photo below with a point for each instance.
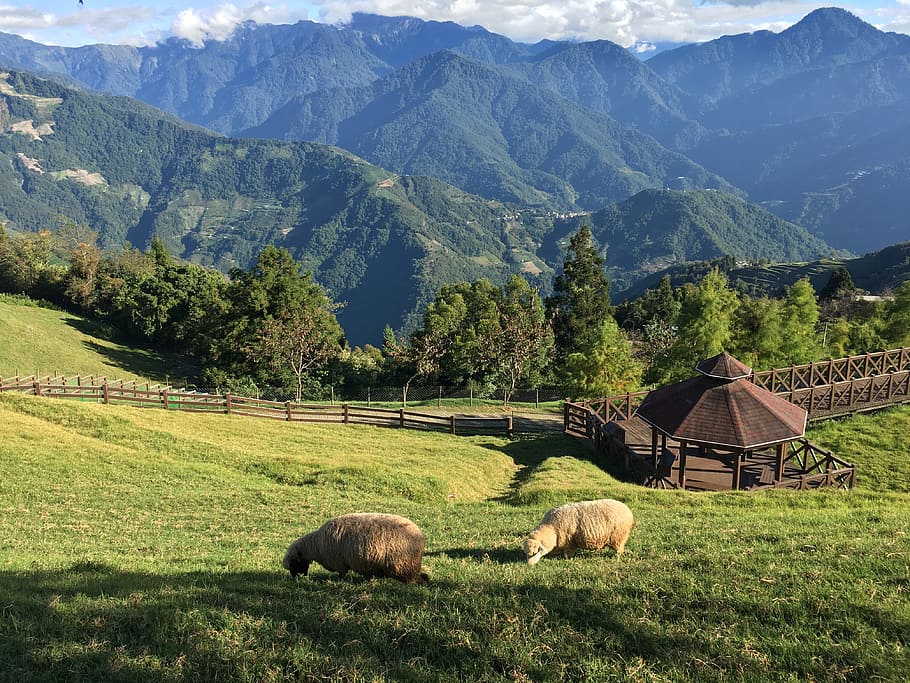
(627, 22)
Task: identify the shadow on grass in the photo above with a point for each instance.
(134, 361)
(91, 622)
(530, 451)
(495, 555)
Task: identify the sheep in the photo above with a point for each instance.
(372, 544)
(587, 524)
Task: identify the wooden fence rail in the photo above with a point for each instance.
(826, 389)
(836, 370)
(121, 393)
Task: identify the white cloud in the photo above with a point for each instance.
(218, 24)
(623, 21)
(105, 25)
(628, 22)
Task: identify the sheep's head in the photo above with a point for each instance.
(295, 563)
(534, 550)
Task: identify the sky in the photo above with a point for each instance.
(638, 24)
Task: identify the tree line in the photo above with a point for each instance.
(273, 325)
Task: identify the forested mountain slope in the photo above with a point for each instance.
(569, 125)
(499, 137)
(379, 243)
(654, 230)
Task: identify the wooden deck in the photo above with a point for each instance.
(708, 471)
(624, 447)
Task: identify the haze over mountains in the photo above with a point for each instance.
(810, 123)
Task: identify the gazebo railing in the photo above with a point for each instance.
(608, 408)
(817, 467)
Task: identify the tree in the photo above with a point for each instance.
(523, 339)
(705, 326)
(271, 303)
(25, 264)
(798, 323)
(652, 320)
(300, 339)
(839, 283)
(419, 356)
(79, 246)
(758, 332)
(581, 297)
(706, 317)
(897, 317)
(606, 367)
(478, 334)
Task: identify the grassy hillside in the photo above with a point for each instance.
(148, 548)
(42, 341)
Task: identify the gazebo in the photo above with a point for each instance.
(720, 412)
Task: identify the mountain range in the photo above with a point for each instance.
(381, 243)
(485, 152)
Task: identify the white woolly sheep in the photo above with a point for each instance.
(370, 543)
(588, 524)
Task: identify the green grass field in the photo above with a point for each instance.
(42, 341)
(145, 545)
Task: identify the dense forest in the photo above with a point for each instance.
(272, 326)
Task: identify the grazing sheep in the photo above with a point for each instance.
(369, 543)
(588, 524)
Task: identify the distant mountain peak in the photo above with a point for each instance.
(832, 19)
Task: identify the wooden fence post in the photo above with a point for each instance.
(287, 406)
(164, 399)
(227, 402)
(509, 429)
(37, 387)
(346, 415)
(452, 421)
(106, 392)
(401, 417)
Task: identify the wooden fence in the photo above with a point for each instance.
(101, 390)
(818, 468)
(826, 389)
(834, 371)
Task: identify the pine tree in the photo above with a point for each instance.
(606, 367)
(798, 323)
(897, 317)
(581, 297)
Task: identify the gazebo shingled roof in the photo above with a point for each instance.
(722, 408)
(723, 366)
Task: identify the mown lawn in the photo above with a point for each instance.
(144, 545)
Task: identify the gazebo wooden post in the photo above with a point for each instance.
(654, 445)
(779, 462)
(682, 465)
(737, 468)
(723, 415)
